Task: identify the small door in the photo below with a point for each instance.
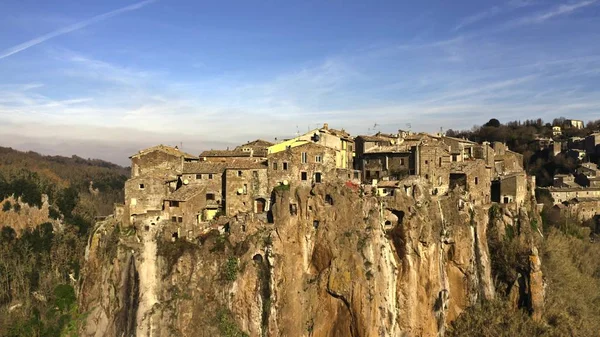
(260, 205)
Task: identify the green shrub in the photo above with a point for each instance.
(282, 188)
(227, 325)
(230, 269)
(6, 206)
(17, 207)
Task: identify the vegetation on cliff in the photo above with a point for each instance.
(572, 295)
(40, 262)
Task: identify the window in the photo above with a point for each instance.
(245, 189)
(440, 162)
(304, 158)
(402, 161)
(285, 166)
(303, 176)
(426, 162)
(174, 218)
(179, 219)
(210, 196)
(318, 177)
(274, 165)
(174, 203)
(141, 186)
(318, 159)
(255, 174)
(351, 148)
(210, 176)
(239, 173)
(476, 180)
(198, 176)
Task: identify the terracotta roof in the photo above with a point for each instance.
(220, 167)
(204, 167)
(174, 151)
(256, 143)
(571, 189)
(466, 166)
(374, 138)
(459, 140)
(225, 153)
(186, 192)
(401, 148)
(246, 165)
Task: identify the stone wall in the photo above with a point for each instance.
(187, 214)
(287, 165)
(243, 187)
(433, 164)
(156, 163)
(144, 193)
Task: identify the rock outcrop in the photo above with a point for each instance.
(333, 262)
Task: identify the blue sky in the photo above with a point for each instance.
(104, 78)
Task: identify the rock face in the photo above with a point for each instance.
(332, 263)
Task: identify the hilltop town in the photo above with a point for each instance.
(187, 193)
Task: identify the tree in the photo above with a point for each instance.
(493, 123)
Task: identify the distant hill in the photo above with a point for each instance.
(48, 205)
(93, 185)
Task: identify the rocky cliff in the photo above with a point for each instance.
(332, 262)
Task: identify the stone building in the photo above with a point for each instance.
(432, 162)
(365, 143)
(556, 131)
(460, 149)
(474, 177)
(573, 123)
(581, 209)
(305, 164)
(246, 189)
(588, 174)
(160, 160)
(506, 161)
(206, 174)
(390, 161)
(259, 147)
(592, 143)
(510, 188)
(144, 193)
(224, 156)
(562, 194)
(188, 207)
(338, 140)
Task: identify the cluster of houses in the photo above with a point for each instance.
(187, 191)
(576, 194)
(578, 148)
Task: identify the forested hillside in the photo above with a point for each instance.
(48, 205)
(521, 136)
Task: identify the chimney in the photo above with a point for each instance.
(325, 126)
